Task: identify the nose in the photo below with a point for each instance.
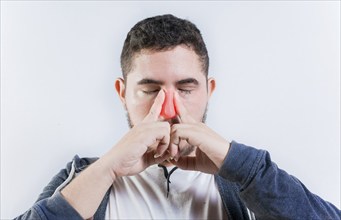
(168, 109)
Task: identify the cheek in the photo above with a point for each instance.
(195, 105)
(138, 106)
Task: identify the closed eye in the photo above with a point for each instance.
(185, 91)
(150, 92)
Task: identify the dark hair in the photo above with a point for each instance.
(161, 33)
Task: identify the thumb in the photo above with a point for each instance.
(155, 110)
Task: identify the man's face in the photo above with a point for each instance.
(176, 70)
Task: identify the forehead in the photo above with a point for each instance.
(170, 65)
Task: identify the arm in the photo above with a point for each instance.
(145, 144)
(55, 207)
(270, 192)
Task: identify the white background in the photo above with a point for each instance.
(277, 66)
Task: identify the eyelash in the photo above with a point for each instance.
(155, 91)
(185, 91)
(150, 92)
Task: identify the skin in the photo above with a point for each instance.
(183, 140)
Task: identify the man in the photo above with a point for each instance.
(165, 90)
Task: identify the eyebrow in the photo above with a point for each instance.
(188, 81)
(147, 81)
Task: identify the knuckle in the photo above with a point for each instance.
(176, 128)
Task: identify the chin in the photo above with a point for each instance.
(166, 163)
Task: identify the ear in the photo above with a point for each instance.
(120, 89)
(210, 86)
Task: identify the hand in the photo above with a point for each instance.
(211, 149)
(144, 145)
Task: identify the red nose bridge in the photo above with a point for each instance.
(168, 108)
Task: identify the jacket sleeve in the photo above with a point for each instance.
(269, 192)
(51, 204)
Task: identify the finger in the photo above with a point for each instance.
(173, 150)
(181, 110)
(178, 142)
(155, 110)
(185, 132)
(161, 159)
(186, 137)
(151, 160)
(162, 147)
(153, 147)
(160, 138)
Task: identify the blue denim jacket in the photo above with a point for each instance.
(247, 179)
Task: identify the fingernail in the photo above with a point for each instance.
(157, 156)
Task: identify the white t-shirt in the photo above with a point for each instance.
(192, 195)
